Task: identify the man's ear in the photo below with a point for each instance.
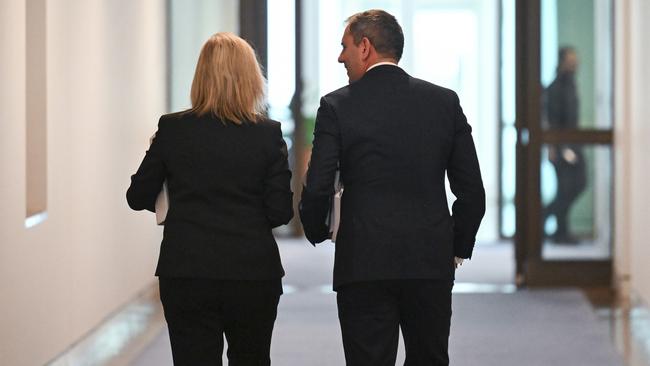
(365, 47)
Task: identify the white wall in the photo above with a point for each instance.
(105, 91)
(632, 105)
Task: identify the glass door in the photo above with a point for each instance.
(564, 137)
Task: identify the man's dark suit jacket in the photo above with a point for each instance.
(395, 136)
(228, 187)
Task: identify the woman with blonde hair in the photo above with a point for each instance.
(227, 175)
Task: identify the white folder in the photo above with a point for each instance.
(162, 205)
(334, 218)
(162, 201)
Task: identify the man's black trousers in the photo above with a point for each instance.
(371, 314)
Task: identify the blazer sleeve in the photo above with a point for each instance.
(465, 182)
(147, 181)
(319, 187)
(278, 198)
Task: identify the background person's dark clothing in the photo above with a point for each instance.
(219, 266)
(395, 138)
(571, 182)
(562, 111)
(562, 103)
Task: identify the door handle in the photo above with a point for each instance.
(524, 136)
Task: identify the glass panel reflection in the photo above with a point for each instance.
(576, 188)
(576, 64)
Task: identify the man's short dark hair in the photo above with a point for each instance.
(563, 52)
(381, 29)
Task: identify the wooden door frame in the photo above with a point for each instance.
(531, 269)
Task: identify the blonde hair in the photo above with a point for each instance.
(228, 81)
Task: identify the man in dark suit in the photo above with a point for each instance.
(562, 111)
(393, 138)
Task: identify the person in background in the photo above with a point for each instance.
(393, 138)
(228, 180)
(562, 107)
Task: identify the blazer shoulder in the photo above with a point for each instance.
(440, 92)
(171, 118)
(432, 87)
(337, 94)
(272, 126)
(269, 123)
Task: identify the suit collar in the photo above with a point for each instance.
(381, 63)
(384, 70)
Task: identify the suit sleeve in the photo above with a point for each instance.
(147, 182)
(319, 187)
(465, 182)
(278, 198)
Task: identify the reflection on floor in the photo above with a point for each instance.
(581, 250)
(492, 325)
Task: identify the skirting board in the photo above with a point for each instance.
(121, 337)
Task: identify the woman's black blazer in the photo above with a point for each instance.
(228, 184)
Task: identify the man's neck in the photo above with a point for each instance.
(381, 61)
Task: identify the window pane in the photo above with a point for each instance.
(576, 188)
(576, 64)
(36, 113)
(508, 131)
(191, 23)
(282, 63)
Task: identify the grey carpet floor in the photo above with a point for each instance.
(525, 328)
